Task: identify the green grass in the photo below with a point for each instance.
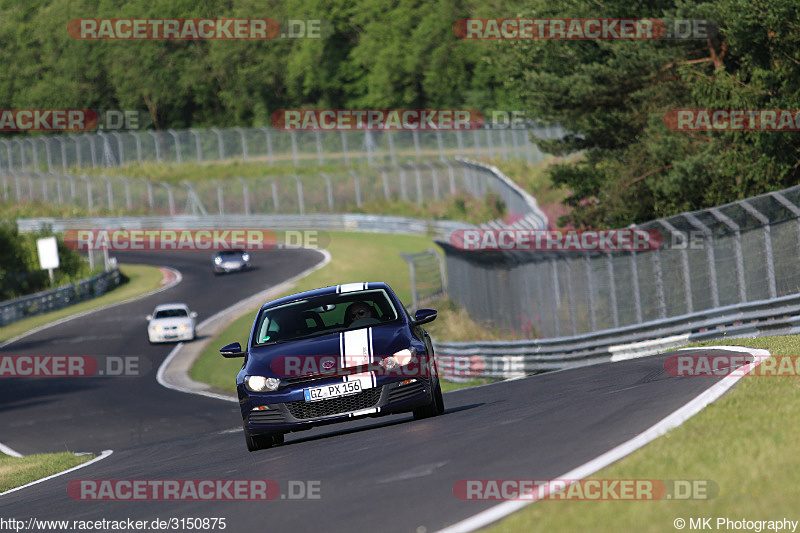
(376, 258)
(745, 442)
(17, 471)
(141, 279)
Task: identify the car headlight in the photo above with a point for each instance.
(217, 260)
(245, 257)
(261, 384)
(401, 358)
(156, 327)
(183, 327)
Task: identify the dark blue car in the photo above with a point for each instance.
(334, 354)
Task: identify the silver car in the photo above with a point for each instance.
(171, 323)
(231, 261)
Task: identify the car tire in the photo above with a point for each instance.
(435, 408)
(262, 442)
(257, 442)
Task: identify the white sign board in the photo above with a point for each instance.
(48, 252)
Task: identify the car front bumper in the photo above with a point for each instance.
(264, 415)
(168, 336)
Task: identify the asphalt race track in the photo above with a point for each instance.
(388, 474)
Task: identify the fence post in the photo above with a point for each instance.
(170, 198)
(62, 143)
(637, 296)
(156, 144)
(712, 267)
(328, 190)
(318, 140)
(121, 147)
(587, 264)
(440, 145)
(737, 242)
(612, 290)
(109, 192)
(687, 280)
(556, 296)
(275, 201)
(343, 135)
(220, 144)
(392, 153)
(357, 188)
(293, 136)
(10, 162)
(659, 284)
(270, 156)
(127, 183)
(573, 319)
(451, 177)
(244, 143)
(220, 198)
(174, 134)
(89, 202)
(21, 154)
(773, 292)
(300, 201)
(418, 178)
(385, 181)
(245, 196)
(138, 146)
(435, 180)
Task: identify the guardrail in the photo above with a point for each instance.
(64, 296)
(510, 359)
(333, 222)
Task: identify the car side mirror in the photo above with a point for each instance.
(149, 318)
(423, 316)
(231, 350)
(193, 314)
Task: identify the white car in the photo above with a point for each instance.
(171, 323)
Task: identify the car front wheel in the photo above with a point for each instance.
(262, 442)
(435, 408)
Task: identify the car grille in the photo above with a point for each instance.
(405, 392)
(271, 416)
(303, 410)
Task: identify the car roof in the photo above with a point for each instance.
(162, 307)
(333, 289)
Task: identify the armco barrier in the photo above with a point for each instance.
(333, 222)
(509, 359)
(64, 296)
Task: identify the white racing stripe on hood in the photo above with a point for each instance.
(355, 348)
(351, 287)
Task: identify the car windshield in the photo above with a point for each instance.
(323, 315)
(171, 313)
